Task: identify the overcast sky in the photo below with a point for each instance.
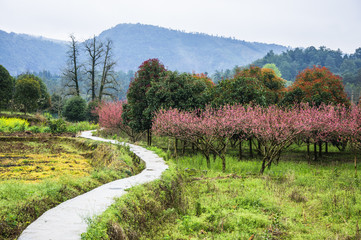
(296, 23)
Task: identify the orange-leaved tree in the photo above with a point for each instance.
(317, 85)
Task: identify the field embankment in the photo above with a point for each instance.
(37, 173)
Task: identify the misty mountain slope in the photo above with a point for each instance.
(21, 53)
(133, 44)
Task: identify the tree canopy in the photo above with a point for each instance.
(6, 87)
(251, 84)
(75, 109)
(179, 90)
(292, 61)
(274, 68)
(27, 93)
(317, 85)
(240, 90)
(44, 102)
(135, 111)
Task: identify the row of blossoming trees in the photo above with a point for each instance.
(164, 102)
(274, 128)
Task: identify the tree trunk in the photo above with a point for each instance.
(223, 157)
(75, 55)
(150, 137)
(263, 167)
(315, 151)
(148, 133)
(240, 150)
(326, 147)
(355, 165)
(184, 147)
(108, 79)
(175, 147)
(208, 161)
(259, 148)
(320, 149)
(250, 148)
(308, 149)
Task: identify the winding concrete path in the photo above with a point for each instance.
(68, 220)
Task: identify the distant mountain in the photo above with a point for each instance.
(21, 53)
(133, 44)
(177, 50)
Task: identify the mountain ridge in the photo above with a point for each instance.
(133, 44)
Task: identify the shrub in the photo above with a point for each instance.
(75, 109)
(46, 130)
(91, 114)
(57, 125)
(35, 129)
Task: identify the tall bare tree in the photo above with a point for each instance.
(108, 79)
(94, 48)
(71, 73)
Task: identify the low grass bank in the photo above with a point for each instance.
(37, 174)
(43, 125)
(295, 199)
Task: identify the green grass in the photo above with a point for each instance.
(11, 125)
(22, 200)
(295, 199)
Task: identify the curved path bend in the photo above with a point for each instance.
(68, 220)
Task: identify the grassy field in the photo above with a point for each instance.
(296, 199)
(39, 173)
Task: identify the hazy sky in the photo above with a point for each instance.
(296, 23)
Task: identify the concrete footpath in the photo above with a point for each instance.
(68, 220)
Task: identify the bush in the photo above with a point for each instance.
(91, 114)
(35, 129)
(46, 130)
(57, 125)
(75, 109)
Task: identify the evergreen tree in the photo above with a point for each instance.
(44, 102)
(27, 94)
(6, 88)
(75, 109)
(135, 111)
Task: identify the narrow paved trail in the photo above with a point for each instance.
(68, 220)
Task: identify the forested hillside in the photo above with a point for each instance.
(21, 53)
(291, 62)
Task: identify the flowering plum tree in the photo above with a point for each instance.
(110, 116)
(209, 129)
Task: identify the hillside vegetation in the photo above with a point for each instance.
(291, 62)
